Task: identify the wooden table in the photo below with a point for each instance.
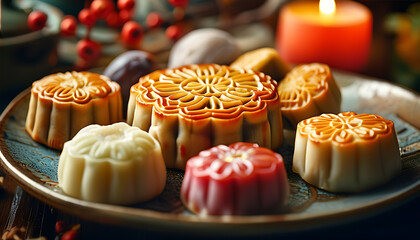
(19, 209)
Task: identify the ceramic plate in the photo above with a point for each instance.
(34, 167)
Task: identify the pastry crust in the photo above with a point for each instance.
(195, 107)
(63, 103)
(347, 152)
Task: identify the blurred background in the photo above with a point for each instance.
(27, 55)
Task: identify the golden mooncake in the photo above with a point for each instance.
(265, 60)
(116, 164)
(308, 90)
(196, 107)
(63, 103)
(347, 152)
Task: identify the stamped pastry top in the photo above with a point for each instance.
(302, 84)
(79, 87)
(236, 160)
(206, 90)
(345, 128)
(116, 142)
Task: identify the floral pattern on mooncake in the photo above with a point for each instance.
(347, 152)
(195, 107)
(79, 87)
(308, 90)
(346, 127)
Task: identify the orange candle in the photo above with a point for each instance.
(340, 36)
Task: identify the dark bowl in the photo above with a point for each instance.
(29, 56)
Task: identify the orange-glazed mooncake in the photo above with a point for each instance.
(266, 60)
(306, 91)
(196, 107)
(347, 152)
(63, 103)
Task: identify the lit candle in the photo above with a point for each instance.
(340, 36)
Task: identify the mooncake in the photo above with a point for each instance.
(116, 164)
(63, 103)
(265, 60)
(308, 90)
(196, 107)
(239, 179)
(347, 152)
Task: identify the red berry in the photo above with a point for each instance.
(68, 26)
(113, 20)
(101, 8)
(87, 18)
(88, 50)
(37, 20)
(173, 32)
(126, 4)
(178, 3)
(70, 235)
(131, 32)
(154, 20)
(60, 226)
(125, 15)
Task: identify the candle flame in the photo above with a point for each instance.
(327, 7)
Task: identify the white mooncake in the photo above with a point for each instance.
(347, 152)
(116, 164)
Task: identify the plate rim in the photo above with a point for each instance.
(151, 219)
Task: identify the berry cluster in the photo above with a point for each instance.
(117, 15)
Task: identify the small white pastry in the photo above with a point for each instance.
(116, 164)
(206, 45)
(347, 152)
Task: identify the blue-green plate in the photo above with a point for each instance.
(34, 167)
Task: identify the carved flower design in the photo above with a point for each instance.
(302, 84)
(201, 91)
(116, 164)
(345, 127)
(236, 160)
(118, 141)
(79, 87)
